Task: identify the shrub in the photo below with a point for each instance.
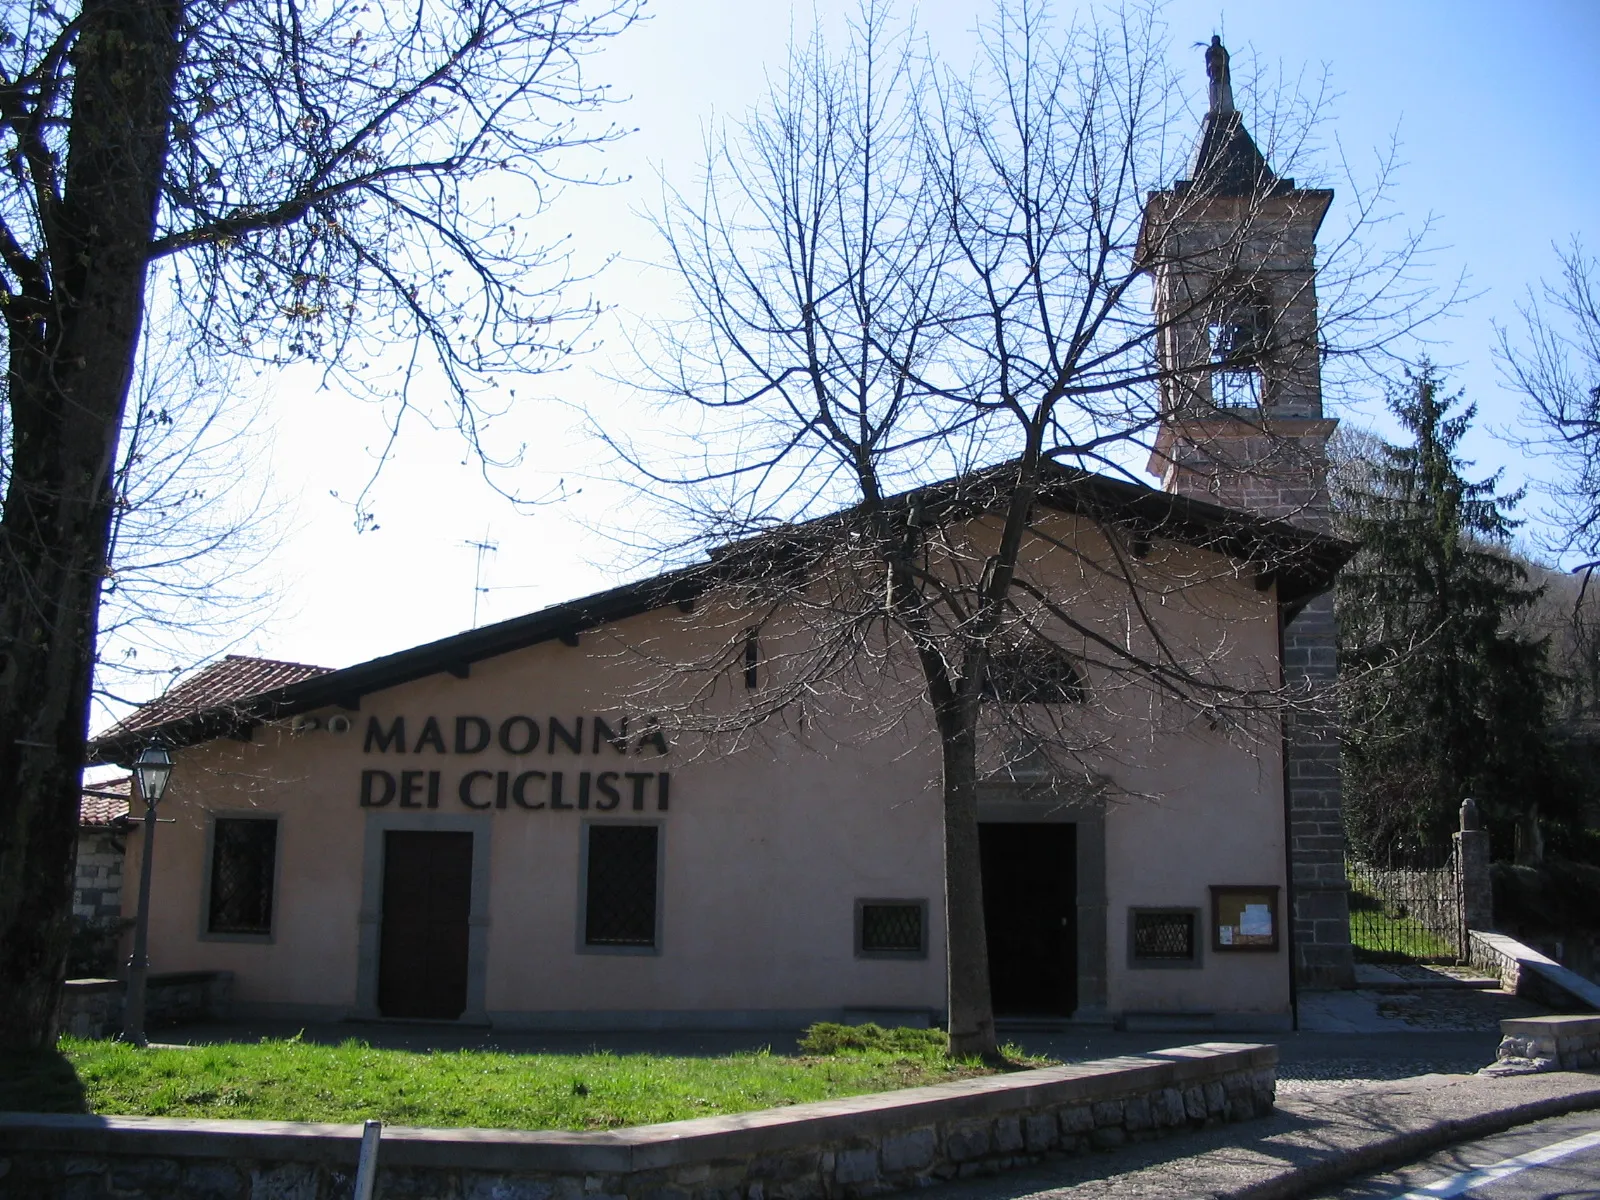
(825, 1037)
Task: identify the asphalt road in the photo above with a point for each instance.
(1557, 1158)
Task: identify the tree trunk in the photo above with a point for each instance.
(73, 332)
(967, 951)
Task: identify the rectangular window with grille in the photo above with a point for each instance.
(621, 871)
(1164, 937)
(244, 864)
(892, 928)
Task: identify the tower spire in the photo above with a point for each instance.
(1221, 79)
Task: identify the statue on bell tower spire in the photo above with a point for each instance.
(1221, 80)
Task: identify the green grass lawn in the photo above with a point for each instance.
(1397, 939)
(297, 1081)
(1380, 935)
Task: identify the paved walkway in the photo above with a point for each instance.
(1316, 1138)
(1391, 1006)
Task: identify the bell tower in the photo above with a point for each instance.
(1232, 254)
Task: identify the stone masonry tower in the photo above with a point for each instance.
(1232, 252)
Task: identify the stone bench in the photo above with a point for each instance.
(92, 1008)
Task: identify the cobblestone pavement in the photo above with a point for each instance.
(1429, 1007)
(1353, 1070)
(1308, 1060)
(1455, 1009)
(1349, 1039)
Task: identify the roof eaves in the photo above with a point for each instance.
(454, 655)
(1302, 561)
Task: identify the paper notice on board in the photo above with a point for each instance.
(1255, 921)
(1227, 935)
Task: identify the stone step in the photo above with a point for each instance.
(1371, 977)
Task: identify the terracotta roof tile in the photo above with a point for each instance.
(236, 677)
(103, 803)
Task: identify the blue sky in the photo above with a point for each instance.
(1496, 108)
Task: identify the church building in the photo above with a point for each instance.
(533, 824)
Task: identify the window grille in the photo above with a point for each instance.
(1035, 674)
(1164, 935)
(889, 927)
(892, 928)
(244, 853)
(620, 908)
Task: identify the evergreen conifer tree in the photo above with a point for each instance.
(1444, 698)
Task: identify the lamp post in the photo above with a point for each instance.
(151, 772)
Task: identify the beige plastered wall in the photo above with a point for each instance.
(770, 836)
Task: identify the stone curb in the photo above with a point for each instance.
(647, 1147)
(844, 1149)
(1400, 1148)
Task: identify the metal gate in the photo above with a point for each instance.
(1407, 908)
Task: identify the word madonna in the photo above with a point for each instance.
(518, 736)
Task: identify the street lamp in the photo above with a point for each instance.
(151, 772)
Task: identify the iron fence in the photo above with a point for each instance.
(1407, 909)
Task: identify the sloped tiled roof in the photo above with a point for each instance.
(1301, 562)
(236, 677)
(102, 803)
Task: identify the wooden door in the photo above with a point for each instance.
(427, 898)
(1030, 911)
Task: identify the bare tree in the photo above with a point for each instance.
(897, 274)
(1555, 364)
(323, 181)
(193, 527)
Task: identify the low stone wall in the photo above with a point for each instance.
(860, 1146)
(1523, 970)
(1530, 1044)
(97, 883)
(92, 1008)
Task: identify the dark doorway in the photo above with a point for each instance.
(427, 898)
(1030, 909)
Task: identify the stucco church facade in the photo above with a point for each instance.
(507, 827)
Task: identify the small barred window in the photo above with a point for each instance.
(620, 907)
(1035, 674)
(244, 860)
(892, 928)
(1164, 936)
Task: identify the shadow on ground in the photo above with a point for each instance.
(42, 1081)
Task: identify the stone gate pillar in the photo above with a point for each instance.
(1472, 860)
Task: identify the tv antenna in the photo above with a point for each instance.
(484, 547)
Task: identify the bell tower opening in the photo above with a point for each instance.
(1238, 338)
